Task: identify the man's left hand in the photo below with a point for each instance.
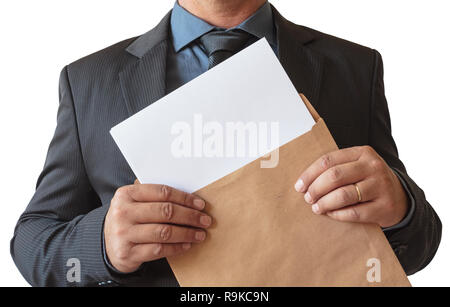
(354, 185)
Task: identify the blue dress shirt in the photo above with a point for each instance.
(187, 60)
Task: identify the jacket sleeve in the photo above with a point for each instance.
(64, 219)
(416, 242)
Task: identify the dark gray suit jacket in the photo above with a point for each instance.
(84, 167)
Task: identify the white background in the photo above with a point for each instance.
(38, 38)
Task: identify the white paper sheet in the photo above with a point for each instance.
(250, 93)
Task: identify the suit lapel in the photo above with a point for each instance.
(143, 81)
(303, 66)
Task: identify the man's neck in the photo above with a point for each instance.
(222, 13)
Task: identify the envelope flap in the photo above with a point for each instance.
(310, 108)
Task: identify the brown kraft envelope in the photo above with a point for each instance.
(265, 234)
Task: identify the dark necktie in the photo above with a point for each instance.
(219, 45)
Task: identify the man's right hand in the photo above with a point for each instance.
(146, 222)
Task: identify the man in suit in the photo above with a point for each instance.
(86, 206)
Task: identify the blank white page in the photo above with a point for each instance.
(250, 88)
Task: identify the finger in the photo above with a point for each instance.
(360, 213)
(147, 252)
(144, 213)
(137, 181)
(164, 233)
(334, 178)
(343, 197)
(122, 195)
(324, 163)
(164, 193)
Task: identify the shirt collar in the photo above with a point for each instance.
(260, 24)
(186, 27)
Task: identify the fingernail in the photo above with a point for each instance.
(186, 246)
(299, 185)
(308, 198)
(205, 220)
(200, 235)
(199, 203)
(315, 208)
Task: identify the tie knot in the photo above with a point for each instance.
(221, 40)
(221, 44)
